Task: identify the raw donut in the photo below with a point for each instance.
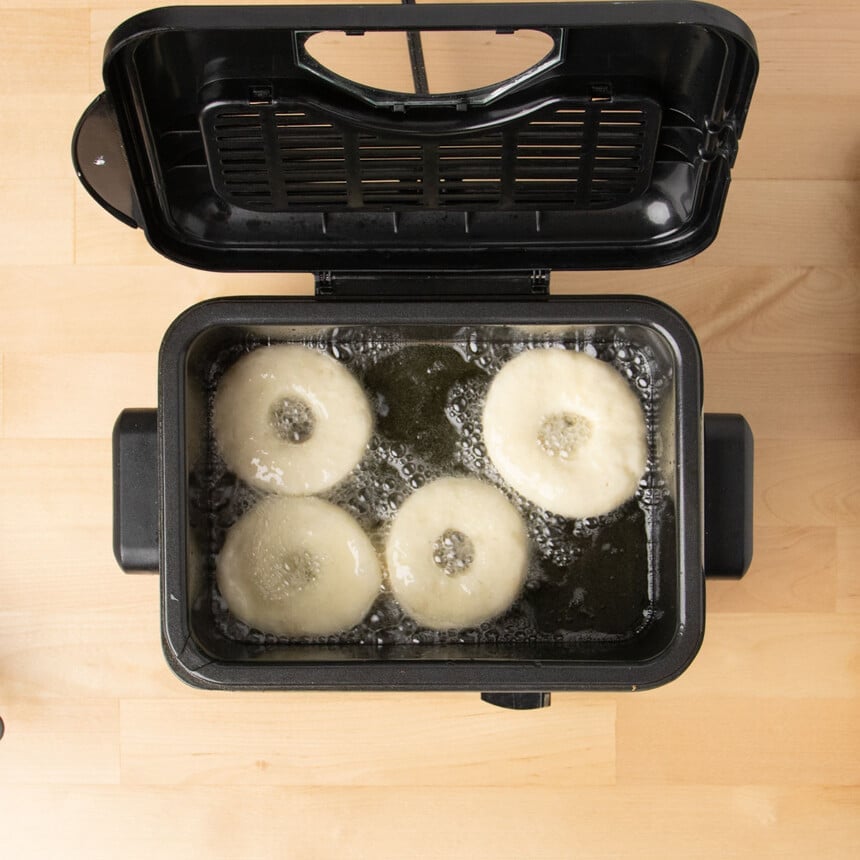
(566, 431)
(298, 567)
(291, 420)
(457, 553)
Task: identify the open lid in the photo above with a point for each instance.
(234, 149)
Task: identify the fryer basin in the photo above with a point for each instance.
(631, 608)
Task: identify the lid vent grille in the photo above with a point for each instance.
(572, 155)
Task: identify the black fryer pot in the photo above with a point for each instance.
(424, 214)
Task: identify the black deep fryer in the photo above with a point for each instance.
(434, 220)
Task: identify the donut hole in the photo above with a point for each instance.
(562, 433)
(453, 552)
(287, 574)
(292, 420)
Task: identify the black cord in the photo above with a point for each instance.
(416, 57)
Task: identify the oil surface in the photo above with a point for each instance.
(590, 579)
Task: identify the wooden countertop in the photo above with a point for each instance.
(754, 752)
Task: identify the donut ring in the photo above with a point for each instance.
(291, 420)
(298, 567)
(566, 431)
(457, 554)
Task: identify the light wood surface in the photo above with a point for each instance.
(754, 752)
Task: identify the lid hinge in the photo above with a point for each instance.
(457, 284)
(721, 141)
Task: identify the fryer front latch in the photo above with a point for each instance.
(518, 701)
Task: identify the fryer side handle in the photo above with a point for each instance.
(135, 490)
(728, 447)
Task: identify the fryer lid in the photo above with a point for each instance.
(189, 90)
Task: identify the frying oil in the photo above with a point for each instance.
(589, 579)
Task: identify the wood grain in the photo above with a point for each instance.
(377, 740)
(820, 215)
(24, 151)
(67, 740)
(753, 752)
(773, 148)
(108, 644)
(795, 570)
(812, 407)
(74, 411)
(44, 51)
(756, 741)
(79, 312)
(848, 566)
(741, 649)
(36, 221)
(645, 821)
(807, 482)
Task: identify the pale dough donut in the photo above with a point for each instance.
(566, 431)
(457, 553)
(291, 420)
(298, 567)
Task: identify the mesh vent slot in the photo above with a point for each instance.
(390, 173)
(584, 157)
(549, 155)
(617, 156)
(312, 160)
(470, 171)
(242, 157)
